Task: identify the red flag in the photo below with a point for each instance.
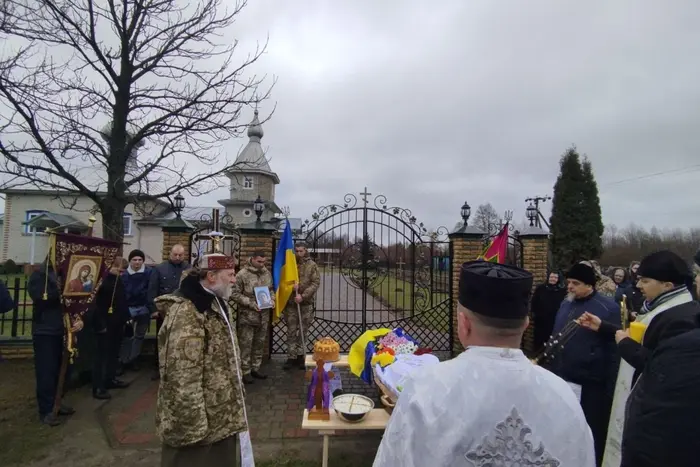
(495, 252)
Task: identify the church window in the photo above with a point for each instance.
(247, 183)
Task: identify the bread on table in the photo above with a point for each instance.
(326, 349)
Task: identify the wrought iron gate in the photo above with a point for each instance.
(379, 268)
(212, 229)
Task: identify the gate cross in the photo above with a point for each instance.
(364, 195)
(215, 234)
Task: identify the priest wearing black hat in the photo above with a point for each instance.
(668, 311)
(455, 412)
(588, 360)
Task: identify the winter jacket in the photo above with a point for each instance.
(546, 301)
(589, 356)
(7, 304)
(111, 294)
(165, 279)
(136, 286)
(309, 281)
(47, 317)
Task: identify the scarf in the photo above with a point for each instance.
(663, 298)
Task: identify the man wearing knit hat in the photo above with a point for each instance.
(135, 280)
(462, 411)
(201, 412)
(668, 311)
(588, 359)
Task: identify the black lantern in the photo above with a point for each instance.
(466, 211)
(531, 213)
(259, 207)
(179, 205)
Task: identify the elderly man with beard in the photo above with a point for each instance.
(201, 408)
(588, 359)
(252, 321)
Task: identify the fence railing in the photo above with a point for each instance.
(17, 324)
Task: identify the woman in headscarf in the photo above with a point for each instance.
(544, 306)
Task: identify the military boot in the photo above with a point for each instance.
(301, 362)
(289, 364)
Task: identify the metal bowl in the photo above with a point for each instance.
(352, 408)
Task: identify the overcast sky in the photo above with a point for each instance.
(435, 103)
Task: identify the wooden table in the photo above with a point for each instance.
(375, 420)
(342, 363)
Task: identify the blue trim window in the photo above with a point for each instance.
(29, 215)
(128, 224)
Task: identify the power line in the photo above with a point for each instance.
(691, 168)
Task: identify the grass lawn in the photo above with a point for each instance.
(398, 295)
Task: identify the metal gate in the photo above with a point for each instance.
(214, 232)
(379, 268)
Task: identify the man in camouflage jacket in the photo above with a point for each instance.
(309, 281)
(252, 322)
(201, 408)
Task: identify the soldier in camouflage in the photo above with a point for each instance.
(252, 322)
(201, 408)
(303, 300)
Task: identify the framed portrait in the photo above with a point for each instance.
(83, 273)
(263, 298)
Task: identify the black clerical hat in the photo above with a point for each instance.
(495, 290)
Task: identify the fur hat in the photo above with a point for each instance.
(665, 266)
(582, 272)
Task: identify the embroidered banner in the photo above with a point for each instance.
(81, 263)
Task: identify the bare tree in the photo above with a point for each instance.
(90, 82)
(622, 246)
(487, 219)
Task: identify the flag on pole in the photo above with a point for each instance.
(496, 251)
(284, 271)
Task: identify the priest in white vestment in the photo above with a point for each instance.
(490, 406)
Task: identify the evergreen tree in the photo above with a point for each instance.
(593, 214)
(576, 224)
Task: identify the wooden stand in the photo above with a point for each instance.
(318, 411)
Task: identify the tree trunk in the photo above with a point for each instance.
(113, 219)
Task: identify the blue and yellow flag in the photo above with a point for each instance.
(284, 272)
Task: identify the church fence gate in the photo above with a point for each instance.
(379, 268)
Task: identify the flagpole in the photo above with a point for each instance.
(301, 325)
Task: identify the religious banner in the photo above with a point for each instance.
(81, 263)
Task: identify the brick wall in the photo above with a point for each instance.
(464, 247)
(535, 248)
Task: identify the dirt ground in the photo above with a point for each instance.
(82, 439)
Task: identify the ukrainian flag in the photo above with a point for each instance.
(284, 271)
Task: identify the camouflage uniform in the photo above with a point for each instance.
(309, 281)
(252, 324)
(200, 406)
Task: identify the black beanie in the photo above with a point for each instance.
(135, 253)
(582, 272)
(665, 266)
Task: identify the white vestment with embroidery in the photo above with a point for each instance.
(487, 407)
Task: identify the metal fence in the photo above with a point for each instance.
(17, 324)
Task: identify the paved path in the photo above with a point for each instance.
(339, 300)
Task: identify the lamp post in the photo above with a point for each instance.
(179, 205)
(538, 215)
(531, 213)
(258, 207)
(466, 211)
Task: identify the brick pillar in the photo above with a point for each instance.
(176, 231)
(466, 244)
(535, 256)
(259, 236)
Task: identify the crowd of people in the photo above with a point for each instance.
(606, 398)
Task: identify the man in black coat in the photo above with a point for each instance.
(47, 338)
(164, 280)
(109, 314)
